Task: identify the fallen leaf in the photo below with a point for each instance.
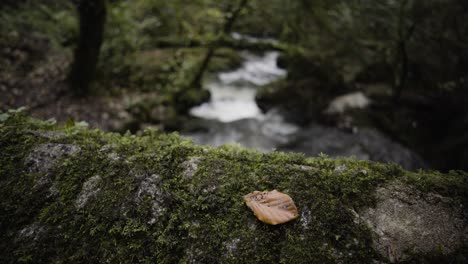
(271, 207)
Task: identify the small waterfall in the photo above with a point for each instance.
(232, 116)
(233, 92)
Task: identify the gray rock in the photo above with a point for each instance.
(306, 217)
(31, 232)
(232, 246)
(407, 220)
(365, 145)
(44, 157)
(108, 148)
(52, 192)
(149, 187)
(114, 157)
(47, 134)
(340, 169)
(89, 191)
(272, 133)
(111, 152)
(193, 254)
(304, 168)
(42, 160)
(190, 166)
(360, 172)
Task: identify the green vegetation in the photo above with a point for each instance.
(351, 35)
(160, 198)
(408, 56)
(130, 61)
(29, 33)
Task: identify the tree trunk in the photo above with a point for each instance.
(92, 17)
(231, 19)
(402, 72)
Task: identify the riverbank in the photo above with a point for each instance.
(431, 123)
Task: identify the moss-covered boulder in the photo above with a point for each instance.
(70, 194)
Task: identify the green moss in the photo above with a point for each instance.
(225, 59)
(453, 183)
(145, 207)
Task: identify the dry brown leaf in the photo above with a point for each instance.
(272, 207)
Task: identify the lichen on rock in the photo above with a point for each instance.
(191, 166)
(406, 221)
(44, 157)
(90, 191)
(32, 232)
(47, 134)
(41, 161)
(149, 187)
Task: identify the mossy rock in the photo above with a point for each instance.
(225, 59)
(70, 194)
(300, 101)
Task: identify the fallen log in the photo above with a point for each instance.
(224, 42)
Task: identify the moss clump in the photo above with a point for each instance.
(160, 198)
(225, 59)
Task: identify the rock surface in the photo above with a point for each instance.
(90, 191)
(408, 221)
(167, 200)
(365, 144)
(42, 158)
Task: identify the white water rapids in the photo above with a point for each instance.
(232, 116)
(233, 93)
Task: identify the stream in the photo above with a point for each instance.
(232, 116)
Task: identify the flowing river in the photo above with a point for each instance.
(232, 116)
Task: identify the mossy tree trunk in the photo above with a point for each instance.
(92, 16)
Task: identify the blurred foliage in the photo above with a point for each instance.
(31, 29)
(351, 34)
(412, 46)
(128, 56)
(54, 20)
(423, 44)
(429, 36)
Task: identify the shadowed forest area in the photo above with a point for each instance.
(364, 74)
